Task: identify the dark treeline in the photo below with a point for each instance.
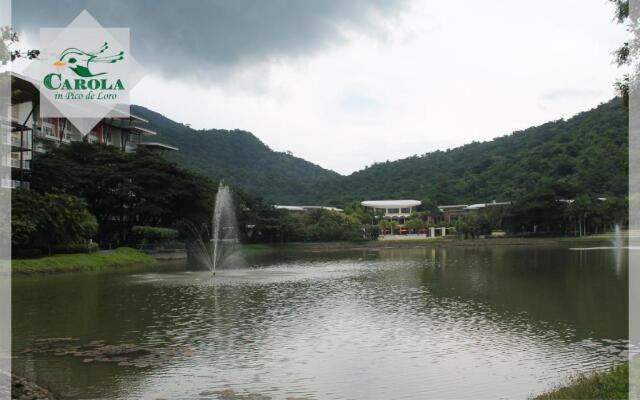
(564, 177)
(85, 191)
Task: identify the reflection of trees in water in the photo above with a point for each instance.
(574, 293)
(586, 291)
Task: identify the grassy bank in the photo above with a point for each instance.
(121, 257)
(612, 384)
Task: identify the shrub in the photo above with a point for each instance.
(43, 221)
(73, 248)
(153, 233)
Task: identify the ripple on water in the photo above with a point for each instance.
(346, 329)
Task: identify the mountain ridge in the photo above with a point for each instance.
(237, 156)
(586, 153)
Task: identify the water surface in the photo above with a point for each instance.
(484, 322)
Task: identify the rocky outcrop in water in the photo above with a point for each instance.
(125, 355)
(22, 389)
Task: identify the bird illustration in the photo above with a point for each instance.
(79, 61)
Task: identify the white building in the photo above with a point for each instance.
(397, 210)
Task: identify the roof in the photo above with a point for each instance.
(476, 206)
(324, 208)
(143, 131)
(290, 208)
(158, 146)
(305, 208)
(453, 206)
(23, 89)
(391, 203)
(137, 118)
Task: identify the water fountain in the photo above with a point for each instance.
(617, 241)
(218, 244)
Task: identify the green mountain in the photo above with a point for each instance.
(586, 154)
(238, 157)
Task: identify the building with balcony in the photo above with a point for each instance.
(30, 134)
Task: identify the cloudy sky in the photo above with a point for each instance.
(347, 83)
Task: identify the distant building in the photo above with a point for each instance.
(306, 208)
(451, 213)
(396, 210)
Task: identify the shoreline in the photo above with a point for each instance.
(610, 384)
(122, 257)
(125, 257)
(402, 244)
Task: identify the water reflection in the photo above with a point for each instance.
(410, 323)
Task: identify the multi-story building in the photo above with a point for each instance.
(30, 134)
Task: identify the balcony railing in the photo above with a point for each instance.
(13, 139)
(39, 148)
(14, 163)
(14, 184)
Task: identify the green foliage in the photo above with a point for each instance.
(239, 158)
(120, 257)
(474, 225)
(586, 154)
(313, 225)
(44, 221)
(123, 190)
(415, 221)
(74, 248)
(613, 384)
(389, 225)
(153, 233)
(324, 225)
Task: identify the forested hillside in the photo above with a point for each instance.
(586, 154)
(238, 157)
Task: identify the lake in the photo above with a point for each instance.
(417, 323)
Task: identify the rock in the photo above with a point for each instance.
(22, 389)
(88, 360)
(54, 340)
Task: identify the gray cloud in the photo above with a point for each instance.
(212, 37)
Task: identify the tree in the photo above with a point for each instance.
(415, 222)
(9, 38)
(43, 221)
(122, 189)
(626, 54)
(538, 211)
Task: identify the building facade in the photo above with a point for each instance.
(29, 134)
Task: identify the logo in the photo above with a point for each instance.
(83, 64)
(85, 72)
(80, 61)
